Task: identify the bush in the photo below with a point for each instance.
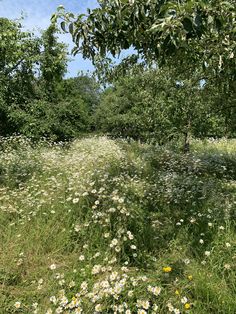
(58, 122)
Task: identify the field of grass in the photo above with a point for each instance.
(105, 226)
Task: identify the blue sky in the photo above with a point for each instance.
(37, 16)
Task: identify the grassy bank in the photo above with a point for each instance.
(105, 226)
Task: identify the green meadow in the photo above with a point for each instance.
(110, 226)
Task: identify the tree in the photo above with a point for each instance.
(197, 32)
(35, 100)
(19, 51)
(53, 62)
(85, 86)
(16, 47)
(156, 29)
(153, 105)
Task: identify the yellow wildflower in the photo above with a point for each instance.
(167, 269)
(187, 306)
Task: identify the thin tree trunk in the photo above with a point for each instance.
(186, 146)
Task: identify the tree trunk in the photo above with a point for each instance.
(186, 146)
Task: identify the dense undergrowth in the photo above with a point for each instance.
(105, 226)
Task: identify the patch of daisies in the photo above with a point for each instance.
(117, 216)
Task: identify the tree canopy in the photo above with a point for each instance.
(197, 38)
(35, 98)
(157, 29)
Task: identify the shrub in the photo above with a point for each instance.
(58, 122)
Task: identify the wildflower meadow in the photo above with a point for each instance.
(110, 226)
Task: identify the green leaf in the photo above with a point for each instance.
(71, 28)
(63, 26)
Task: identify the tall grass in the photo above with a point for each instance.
(104, 226)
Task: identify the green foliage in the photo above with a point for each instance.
(17, 48)
(35, 100)
(153, 105)
(19, 51)
(83, 86)
(193, 37)
(53, 61)
(61, 121)
(157, 29)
